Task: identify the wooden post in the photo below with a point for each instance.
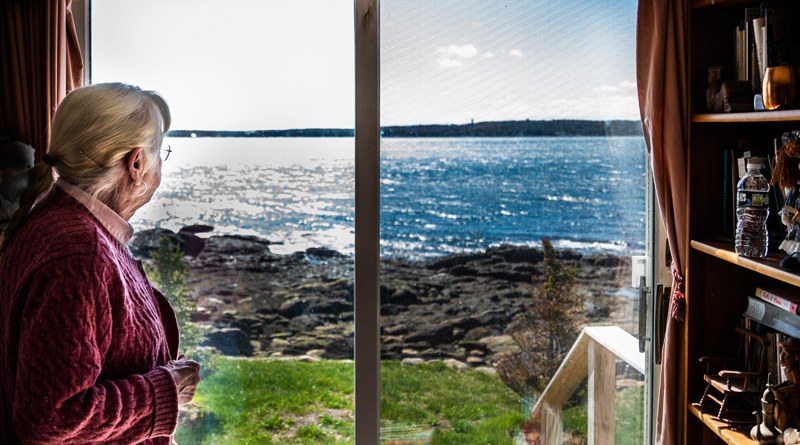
(552, 425)
(602, 390)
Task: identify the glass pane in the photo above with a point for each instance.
(512, 209)
(262, 214)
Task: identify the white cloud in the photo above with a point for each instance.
(449, 63)
(463, 51)
(487, 55)
(515, 53)
(453, 55)
(627, 84)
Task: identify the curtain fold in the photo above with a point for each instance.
(661, 65)
(41, 62)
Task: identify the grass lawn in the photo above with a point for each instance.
(258, 402)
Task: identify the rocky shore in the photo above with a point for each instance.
(261, 304)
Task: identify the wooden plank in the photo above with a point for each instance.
(620, 343)
(602, 389)
(769, 266)
(755, 116)
(552, 425)
(730, 435)
(568, 376)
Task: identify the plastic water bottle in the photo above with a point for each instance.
(752, 209)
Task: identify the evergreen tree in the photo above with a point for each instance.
(547, 329)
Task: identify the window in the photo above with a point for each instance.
(498, 133)
(531, 138)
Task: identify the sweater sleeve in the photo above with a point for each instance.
(64, 337)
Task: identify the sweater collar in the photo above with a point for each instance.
(118, 227)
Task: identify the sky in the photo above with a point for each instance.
(268, 64)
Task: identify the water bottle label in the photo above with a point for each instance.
(753, 199)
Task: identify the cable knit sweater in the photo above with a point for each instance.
(84, 336)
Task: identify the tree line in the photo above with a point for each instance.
(563, 127)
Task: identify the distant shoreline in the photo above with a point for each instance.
(526, 128)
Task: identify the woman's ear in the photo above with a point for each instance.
(135, 161)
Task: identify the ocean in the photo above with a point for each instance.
(438, 195)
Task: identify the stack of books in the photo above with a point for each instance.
(776, 310)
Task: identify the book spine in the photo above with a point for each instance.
(776, 300)
(773, 316)
(773, 363)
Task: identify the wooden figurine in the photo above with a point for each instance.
(787, 393)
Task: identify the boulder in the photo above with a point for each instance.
(229, 341)
(341, 349)
(412, 361)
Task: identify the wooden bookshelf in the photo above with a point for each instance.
(731, 436)
(755, 116)
(718, 281)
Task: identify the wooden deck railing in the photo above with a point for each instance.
(594, 354)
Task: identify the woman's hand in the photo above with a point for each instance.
(186, 374)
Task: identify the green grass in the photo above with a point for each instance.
(260, 402)
(478, 408)
(629, 407)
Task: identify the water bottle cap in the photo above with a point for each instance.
(753, 164)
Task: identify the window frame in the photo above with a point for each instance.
(367, 223)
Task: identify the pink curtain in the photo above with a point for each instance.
(661, 65)
(41, 62)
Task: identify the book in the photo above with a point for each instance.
(761, 53)
(770, 315)
(786, 298)
(773, 363)
(753, 73)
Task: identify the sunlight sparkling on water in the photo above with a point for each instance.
(438, 196)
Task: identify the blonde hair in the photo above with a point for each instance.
(93, 130)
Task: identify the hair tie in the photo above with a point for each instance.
(49, 160)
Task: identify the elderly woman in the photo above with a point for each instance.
(88, 346)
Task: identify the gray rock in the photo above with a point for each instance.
(229, 341)
(341, 349)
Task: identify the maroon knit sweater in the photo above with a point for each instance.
(84, 336)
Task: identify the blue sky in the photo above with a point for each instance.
(272, 65)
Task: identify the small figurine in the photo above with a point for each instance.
(787, 393)
(787, 176)
(765, 431)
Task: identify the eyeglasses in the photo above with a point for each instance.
(165, 153)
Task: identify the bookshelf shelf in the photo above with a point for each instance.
(769, 266)
(731, 436)
(756, 116)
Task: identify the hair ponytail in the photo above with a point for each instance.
(40, 179)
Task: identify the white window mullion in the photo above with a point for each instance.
(367, 224)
